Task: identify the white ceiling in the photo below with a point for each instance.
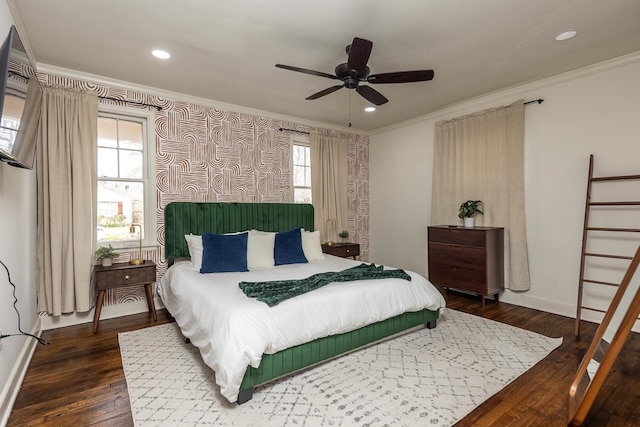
(226, 50)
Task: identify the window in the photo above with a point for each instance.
(301, 172)
(126, 171)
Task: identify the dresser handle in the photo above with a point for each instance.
(348, 250)
(126, 277)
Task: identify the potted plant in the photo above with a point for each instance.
(105, 255)
(343, 235)
(467, 210)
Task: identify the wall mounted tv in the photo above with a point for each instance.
(20, 98)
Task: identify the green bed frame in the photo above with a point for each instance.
(184, 217)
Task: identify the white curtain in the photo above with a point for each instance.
(67, 183)
(481, 157)
(329, 184)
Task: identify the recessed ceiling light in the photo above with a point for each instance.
(162, 54)
(370, 109)
(566, 35)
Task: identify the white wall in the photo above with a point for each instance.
(590, 111)
(18, 253)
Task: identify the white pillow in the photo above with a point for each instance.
(260, 248)
(311, 245)
(194, 243)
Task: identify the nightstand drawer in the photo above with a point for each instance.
(458, 236)
(462, 256)
(343, 250)
(134, 275)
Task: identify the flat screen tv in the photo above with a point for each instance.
(20, 96)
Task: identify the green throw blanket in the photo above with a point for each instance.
(272, 293)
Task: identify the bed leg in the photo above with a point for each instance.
(187, 340)
(245, 395)
(431, 324)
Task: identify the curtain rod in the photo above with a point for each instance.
(124, 101)
(293, 130)
(18, 74)
(538, 101)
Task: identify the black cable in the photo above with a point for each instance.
(15, 301)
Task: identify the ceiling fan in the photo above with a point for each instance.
(355, 71)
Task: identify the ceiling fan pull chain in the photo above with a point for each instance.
(349, 109)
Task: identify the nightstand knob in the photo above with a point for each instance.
(348, 250)
(126, 277)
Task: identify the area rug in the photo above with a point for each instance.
(427, 377)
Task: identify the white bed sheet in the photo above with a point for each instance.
(233, 331)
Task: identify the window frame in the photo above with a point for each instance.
(302, 140)
(147, 118)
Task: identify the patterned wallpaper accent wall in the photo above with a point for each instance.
(205, 154)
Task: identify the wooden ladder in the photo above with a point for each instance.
(586, 232)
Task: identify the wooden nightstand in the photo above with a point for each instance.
(344, 250)
(124, 274)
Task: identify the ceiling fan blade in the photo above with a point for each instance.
(402, 77)
(327, 91)
(371, 95)
(304, 70)
(359, 53)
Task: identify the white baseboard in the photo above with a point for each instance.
(14, 382)
(523, 299)
(567, 310)
(108, 312)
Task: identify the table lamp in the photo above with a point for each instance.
(330, 230)
(136, 261)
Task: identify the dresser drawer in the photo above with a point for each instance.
(458, 236)
(452, 276)
(462, 256)
(135, 275)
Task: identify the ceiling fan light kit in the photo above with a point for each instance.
(355, 71)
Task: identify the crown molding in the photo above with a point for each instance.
(514, 92)
(17, 19)
(176, 96)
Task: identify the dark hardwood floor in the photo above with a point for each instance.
(78, 379)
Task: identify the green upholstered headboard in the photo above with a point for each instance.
(182, 218)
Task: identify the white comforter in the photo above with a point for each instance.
(233, 331)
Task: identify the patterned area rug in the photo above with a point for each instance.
(427, 377)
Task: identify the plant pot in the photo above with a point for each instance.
(469, 222)
(107, 262)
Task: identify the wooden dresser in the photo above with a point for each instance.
(467, 259)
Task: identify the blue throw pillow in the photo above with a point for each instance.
(288, 248)
(224, 253)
